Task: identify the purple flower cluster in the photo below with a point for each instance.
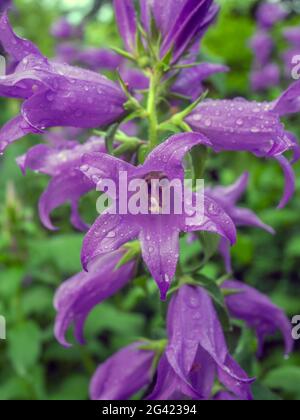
(162, 41)
(265, 73)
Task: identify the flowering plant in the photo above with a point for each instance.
(155, 127)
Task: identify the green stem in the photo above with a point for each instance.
(151, 109)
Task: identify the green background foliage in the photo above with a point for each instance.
(33, 262)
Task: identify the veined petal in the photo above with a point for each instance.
(235, 379)
(108, 233)
(192, 322)
(72, 105)
(214, 220)
(194, 29)
(168, 156)
(77, 296)
(169, 386)
(191, 16)
(123, 374)
(240, 125)
(126, 20)
(68, 186)
(159, 239)
(101, 165)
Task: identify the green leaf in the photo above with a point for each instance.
(199, 155)
(286, 378)
(75, 387)
(38, 300)
(262, 393)
(110, 137)
(24, 346)
(210, 243)
(10, 281)
(62, 251)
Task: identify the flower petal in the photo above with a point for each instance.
(168, 156)
(97, 166)
(72, 106)
(224, 248)
(289, 101)
(258, 311)
(126, 20)
(189, 82)
(214, 220)
(123, 374)
(290, 181)
(168, 385)
(159, 239)
(52, 160)
(17, 47)
(245, 217)
(68, 186)
(108, 233)
(233, 377)
(77, 296)
(14, 130)
(240, 125)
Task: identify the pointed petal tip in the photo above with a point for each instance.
(60, 336)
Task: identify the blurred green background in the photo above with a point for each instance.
(33, 262)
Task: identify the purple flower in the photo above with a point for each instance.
(158, 233)
(262, 46)
(259, 313)
(181, 22)
(224, 396)
(91, 58)
(268, 14)
(99, 59)
(5, 4)
(77, 296)
(227, 198)
(196, 352)
(61, 161)
(126, 20)
(190, 81)
(63, 29)
(54, 94)
(265, 78)
(292, 35)
(123, 374)
(240, 125)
